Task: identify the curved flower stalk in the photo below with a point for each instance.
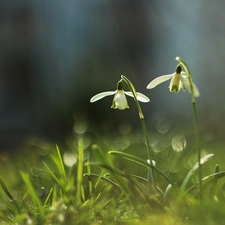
(192, 90)
(120, 100)
(151, 177)
(179, 80)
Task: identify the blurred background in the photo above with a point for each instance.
(55, 55)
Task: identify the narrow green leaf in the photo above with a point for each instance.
(101, 178)
(141, 162)
(207, 180)
(79, 171)
(167, 194)
(99, 155)
(62, 168)
(5, 189)
(32, 192)
(53, 175)
(193, 169)
(48, 196)
(7, 192)
(90, 185)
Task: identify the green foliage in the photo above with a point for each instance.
(111, 186)
(82, 195)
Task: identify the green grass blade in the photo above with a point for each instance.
(141, 162)
(7, 192)
(5, 189)
(125, 184)
(193, 169)
(90, 185)
(53, 175)
(99, 155)
(167, 194)
(32, 192)
(101, 178)
(4, 217)
(79, 171)
(99, 194)
(83, 193)
(61, 168)
(214, 182)
(48, 197)
(209, 179)
(116, 174)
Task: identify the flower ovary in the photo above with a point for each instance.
(178, 69)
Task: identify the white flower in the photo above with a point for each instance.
(179, 80)
(119, 100)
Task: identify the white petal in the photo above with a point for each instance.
(186, 84)
(183, 73)
(159, 80)
(102, 95)
(120, 100)
(175, 83)
(140, 97)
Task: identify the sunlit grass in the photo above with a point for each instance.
(110, 187)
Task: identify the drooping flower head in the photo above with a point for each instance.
(120, 100)
(179, 80)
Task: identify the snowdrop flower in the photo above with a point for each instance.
(179, 80)
(119, 100)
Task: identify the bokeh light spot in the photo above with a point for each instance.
(125, 128)
(69, 159)
(179, 143)
(80, 127)
(162, 126)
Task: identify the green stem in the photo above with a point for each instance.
(79, 172)
(151, 175)
(197, 147)
(195, 122)
(143, 124)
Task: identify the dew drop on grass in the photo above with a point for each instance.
(179, 143)
(153, 162)
(42, 192)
